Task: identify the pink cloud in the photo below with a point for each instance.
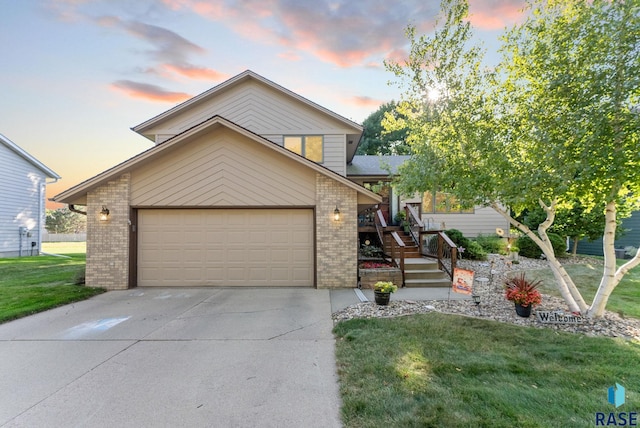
(194, 72)
(495, 14)
(148, 92)
(341, 32)
(364, 101)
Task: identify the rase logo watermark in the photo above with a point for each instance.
(616, 396)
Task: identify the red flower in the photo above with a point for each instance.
(522, 291)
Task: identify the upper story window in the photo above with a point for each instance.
(309, 146)
(442, 203)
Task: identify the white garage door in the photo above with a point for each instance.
(227, 247)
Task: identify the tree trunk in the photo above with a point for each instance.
(610, 276)
(574, 250)
(563, 280)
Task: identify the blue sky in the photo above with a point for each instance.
(76, 75)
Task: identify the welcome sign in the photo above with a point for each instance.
(549, 317)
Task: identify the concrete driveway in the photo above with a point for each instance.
(173, 358)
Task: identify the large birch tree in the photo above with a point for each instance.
(557, 121)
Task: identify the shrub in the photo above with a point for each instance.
(493, 244)
(457, 237)
(472, 250)
(530, 249)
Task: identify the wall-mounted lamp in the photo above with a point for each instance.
(104, 214)
(336, 214)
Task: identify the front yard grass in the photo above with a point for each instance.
(439, 370)
(34, 284)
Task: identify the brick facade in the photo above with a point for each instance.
(108, 241)
(336, 241)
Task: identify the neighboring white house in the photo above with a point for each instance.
(22, 211)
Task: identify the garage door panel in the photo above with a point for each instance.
(225, 247)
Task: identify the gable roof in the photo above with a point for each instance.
(77, 192)
(144, 128)
(363, 165)
(26, 156)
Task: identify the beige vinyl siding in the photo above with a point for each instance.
(258, 108)
(22, 196)
(223, 169)
(482, 221)
(335, 153)
(269, 113)
(225, 247)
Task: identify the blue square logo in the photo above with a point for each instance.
(616, 395)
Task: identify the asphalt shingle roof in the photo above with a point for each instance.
(375, 165)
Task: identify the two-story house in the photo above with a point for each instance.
(248, 184)
(22, 212)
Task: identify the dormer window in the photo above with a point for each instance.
(309, 146)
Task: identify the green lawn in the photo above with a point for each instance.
(439, 370)
(624, 299)
(35, 284)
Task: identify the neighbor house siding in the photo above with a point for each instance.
(108, 241)
(629, 238)
(23, 197)
(223, 169)
(337, 246)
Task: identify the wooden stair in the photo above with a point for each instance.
(411, 250)
(419, 271)
(424, 272)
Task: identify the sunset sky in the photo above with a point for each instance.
(76, 75)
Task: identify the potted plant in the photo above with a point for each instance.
(523, 293)
(382, 291)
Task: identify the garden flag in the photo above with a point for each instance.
(462, 281)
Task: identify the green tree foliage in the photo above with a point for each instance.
(556, 122)
(63, 220)
(376, 140)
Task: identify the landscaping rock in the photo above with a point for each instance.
(494, 306)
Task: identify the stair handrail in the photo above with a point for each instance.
(415, 224)
(396, 241)
(446, 249)
(381, 225)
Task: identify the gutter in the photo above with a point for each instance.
(72, 208)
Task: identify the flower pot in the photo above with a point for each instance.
(382, 298)
(523, 311)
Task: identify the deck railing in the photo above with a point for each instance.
(396, 250)
(436, 244)
(433, 243)
(415, 223)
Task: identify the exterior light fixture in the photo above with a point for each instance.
(476, 299)
(336, 214)
(104, 214)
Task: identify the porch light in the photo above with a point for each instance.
(336, 214)
(104, 214)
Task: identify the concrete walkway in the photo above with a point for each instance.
(173, 358)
